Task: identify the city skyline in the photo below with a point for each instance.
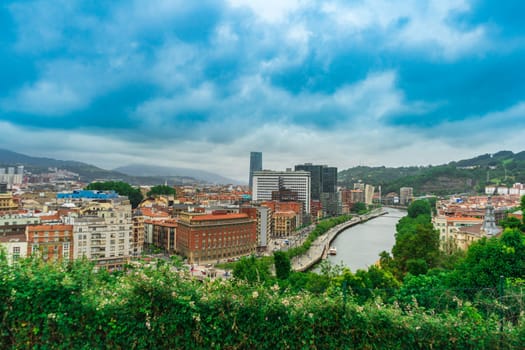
(344, 84)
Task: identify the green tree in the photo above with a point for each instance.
(419, 207)
(359, 207)
(161, 190)
(523, 209)
(368, 284)
(429, 291)
(490, 258)
(252, 270)
(417, 245)
(306, 281)
(510, 222)
(282, 265)
(122, 188)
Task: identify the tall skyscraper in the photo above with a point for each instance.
(329, 180)
(316, 175)
(255, 165)
(323, 186)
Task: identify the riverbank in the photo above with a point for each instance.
(319, 248)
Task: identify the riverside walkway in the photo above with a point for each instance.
(320, 246)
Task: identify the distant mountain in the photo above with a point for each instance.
(151, 170)
(464, 176)
(87, 172)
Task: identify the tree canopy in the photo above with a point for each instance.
(490, 258)
(252, 270)
(122, 188)
(161, 190)
(282, 263)
(359, 207)
(419, 207)
(417, 245)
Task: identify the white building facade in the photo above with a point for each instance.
(267, 181)
(104, 234)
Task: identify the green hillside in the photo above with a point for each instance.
(464, 176)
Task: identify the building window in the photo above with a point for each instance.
(16, 253)
(65, 250)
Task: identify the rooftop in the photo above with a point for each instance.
(210, 217)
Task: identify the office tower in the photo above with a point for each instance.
(329, 179)
(323, 186)
(316, 176)
(265, 182)
(255, 165)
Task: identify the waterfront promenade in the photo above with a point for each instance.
(320, 246)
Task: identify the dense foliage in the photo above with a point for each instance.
(416, 249)
(359, 208)
(161, 190)
(122, 188)
(282, 263)
(72, 307)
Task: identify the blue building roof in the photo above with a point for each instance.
(87, 194)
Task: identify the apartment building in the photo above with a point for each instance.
(284, 223)
(103, 232)
(163, 234)
(50, 242)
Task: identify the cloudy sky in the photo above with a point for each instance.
(200, 84)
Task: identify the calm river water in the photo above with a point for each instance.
(358, 247)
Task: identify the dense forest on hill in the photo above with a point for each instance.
(464, 176)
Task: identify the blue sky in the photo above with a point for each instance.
(200, 84)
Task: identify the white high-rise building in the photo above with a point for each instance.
(103, 232)
(267, 181)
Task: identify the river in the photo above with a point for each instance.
(359, 246)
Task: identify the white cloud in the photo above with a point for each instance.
(230, 81)
(491, 128)
(45, 98)
(413, 25)
(269, 10)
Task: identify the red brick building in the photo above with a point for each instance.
(51, 242)
(205, 237)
